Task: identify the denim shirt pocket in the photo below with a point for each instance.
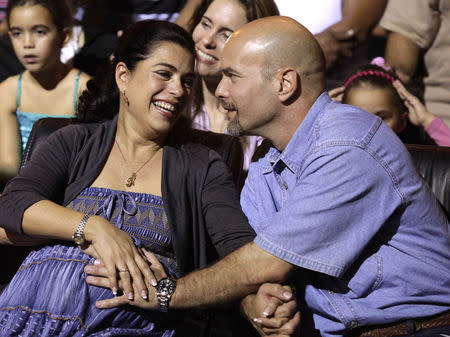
(367, 278)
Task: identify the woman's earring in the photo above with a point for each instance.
(125, 98)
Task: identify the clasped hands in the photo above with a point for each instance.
(272, 311)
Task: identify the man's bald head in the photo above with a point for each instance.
(281, 42)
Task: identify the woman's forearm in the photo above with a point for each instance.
(46, 219)
(14, 239)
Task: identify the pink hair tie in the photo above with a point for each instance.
(379, 61)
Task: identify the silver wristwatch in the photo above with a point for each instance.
(78, 236)
(164, 291)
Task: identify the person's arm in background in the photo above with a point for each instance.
(402, 55)
(3, 28)
(420, 116)
(358, 19)
(187, 12)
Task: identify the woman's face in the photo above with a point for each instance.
(35, 38)
(157, 89)
(380, 102)
(220, 20)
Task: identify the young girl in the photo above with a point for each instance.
(376, 89)
(47, 88)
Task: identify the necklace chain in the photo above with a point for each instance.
(131, 180)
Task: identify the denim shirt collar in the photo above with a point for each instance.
(295, 150)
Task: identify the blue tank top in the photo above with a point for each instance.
(27, 119)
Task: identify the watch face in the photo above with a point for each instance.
(79, 239)
(166, 286)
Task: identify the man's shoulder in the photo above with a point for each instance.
(341, 124)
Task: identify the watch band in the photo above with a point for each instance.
(78, 236)
(164, 291)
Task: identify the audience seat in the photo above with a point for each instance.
(433, 164)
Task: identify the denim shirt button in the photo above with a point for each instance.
(353, 324)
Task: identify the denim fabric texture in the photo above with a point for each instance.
(343, 201)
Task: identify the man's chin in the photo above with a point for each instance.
(235, 129)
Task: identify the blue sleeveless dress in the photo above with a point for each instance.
(48, 296)
(27, 119)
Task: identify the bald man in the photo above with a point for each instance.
(336, 203)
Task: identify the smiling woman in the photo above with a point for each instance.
(119, 181)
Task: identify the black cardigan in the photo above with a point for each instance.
(199, 196)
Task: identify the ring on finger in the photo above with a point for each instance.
(124, 270)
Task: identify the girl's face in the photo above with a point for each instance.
(157, 89)
(35, 38)
(380, 102)
(220, 20)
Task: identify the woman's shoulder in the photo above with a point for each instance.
(81, 132)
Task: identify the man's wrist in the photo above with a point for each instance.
(164, 291)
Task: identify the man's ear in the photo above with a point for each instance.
(122, 75)
(288, 83)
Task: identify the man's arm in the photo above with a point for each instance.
(184, 19)
(358, 19)
(360, 16)
(231, 278)
(402, 55)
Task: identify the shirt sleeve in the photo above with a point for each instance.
(43, 178)
(439, 132)
(227, 225)
(418, 20)
(342, 198)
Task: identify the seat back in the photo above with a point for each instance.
(433, 164)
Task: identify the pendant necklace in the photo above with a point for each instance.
(132, 178)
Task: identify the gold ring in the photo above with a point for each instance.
(123, 270)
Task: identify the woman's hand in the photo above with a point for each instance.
(98, 276)
(273, 310)
(120, 257)
(418, 113)
(337, 94)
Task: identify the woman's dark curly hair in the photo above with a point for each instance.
(100, 101)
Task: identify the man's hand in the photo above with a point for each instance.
(272, 311)
(336, 45)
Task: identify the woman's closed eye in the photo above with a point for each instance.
(205, 23)
(164, 74)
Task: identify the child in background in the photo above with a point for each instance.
(376, 89)
(47, 88)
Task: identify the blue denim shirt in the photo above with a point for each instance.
(343, 201)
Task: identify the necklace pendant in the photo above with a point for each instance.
(131, 180)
